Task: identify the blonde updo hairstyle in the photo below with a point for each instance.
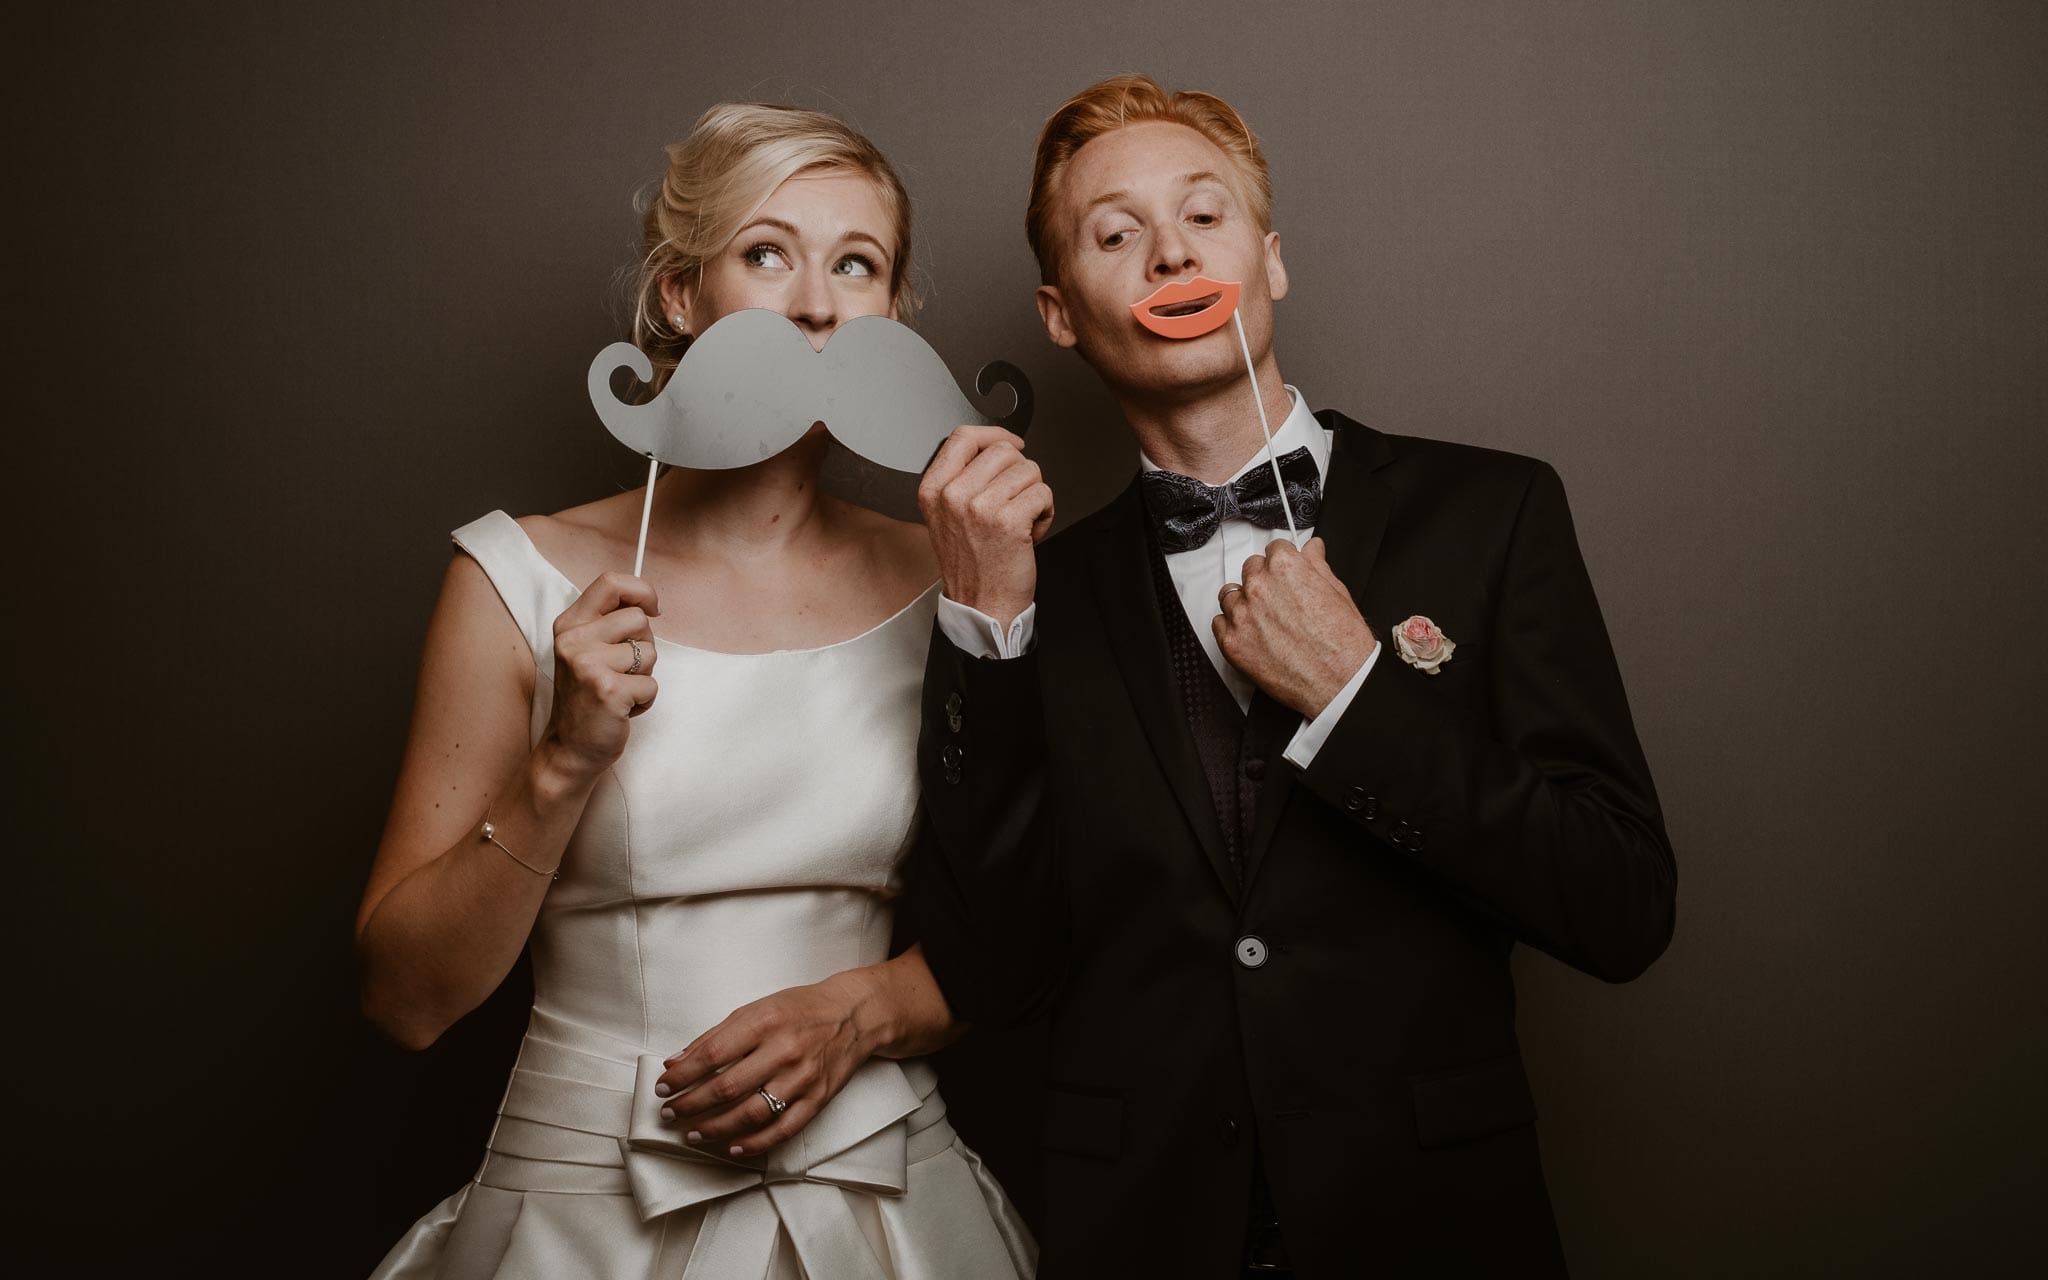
(718, 177)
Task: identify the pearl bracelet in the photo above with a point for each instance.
(490, 834)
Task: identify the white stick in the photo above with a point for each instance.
(647, 509)
(1286, 507)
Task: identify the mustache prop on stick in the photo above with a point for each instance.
(1191, 308)
(751, 385)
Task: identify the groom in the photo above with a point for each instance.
(1257, 826)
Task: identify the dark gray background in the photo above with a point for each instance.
(309, 287)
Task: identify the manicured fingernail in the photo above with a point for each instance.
(662, 1090)
(668, 1113)
(738, 1151)
(693, 1136)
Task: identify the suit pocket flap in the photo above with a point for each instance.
(1471, 1102)
(1084, 1124)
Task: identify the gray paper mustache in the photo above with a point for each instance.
(750, 385)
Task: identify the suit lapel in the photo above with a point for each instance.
(1353, 520)
(1129, 608)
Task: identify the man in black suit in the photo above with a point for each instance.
(1257, 827)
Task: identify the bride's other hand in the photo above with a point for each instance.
(802, 1045)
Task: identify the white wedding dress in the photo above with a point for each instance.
(746, 841)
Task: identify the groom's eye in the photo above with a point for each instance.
(764, 255)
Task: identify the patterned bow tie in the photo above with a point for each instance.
(1185, 512)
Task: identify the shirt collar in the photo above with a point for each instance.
(1299, 430)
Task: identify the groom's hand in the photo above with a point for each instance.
(986, 506)
(1292, 628)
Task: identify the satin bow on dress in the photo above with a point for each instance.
(861, 1141)
(572, 1124)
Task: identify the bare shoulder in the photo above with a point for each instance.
(471, 625)
(910, 545)
(900, 551)
(584, 541)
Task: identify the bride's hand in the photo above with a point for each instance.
(800, 1044)
(604, 664)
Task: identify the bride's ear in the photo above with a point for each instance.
(677, 295)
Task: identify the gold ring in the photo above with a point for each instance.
(634, 670)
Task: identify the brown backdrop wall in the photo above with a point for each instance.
(1767, 282)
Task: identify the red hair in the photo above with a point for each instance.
(1137, 99)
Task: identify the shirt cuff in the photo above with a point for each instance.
(979, 636)
(1309, 739)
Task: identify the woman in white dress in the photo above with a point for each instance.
(720, 1075)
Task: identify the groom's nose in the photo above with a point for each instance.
(1173, 255)
(812, 309)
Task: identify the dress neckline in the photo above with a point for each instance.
(576, 593)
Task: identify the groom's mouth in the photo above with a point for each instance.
(1187, 308)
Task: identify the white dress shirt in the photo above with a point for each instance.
(1198, 577)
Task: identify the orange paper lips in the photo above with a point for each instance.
(1182, 316)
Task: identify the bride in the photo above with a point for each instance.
(689, 793)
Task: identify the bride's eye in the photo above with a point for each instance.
(854, 264)
(764, 255)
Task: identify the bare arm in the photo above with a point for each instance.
(898, 1008)
(446, 913)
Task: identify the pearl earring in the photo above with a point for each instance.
(677, 319)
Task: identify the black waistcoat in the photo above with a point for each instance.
(1215, 720)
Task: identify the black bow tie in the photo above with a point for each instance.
(1185, 512)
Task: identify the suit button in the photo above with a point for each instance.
(1354, 799)
(1255, 768)
(952, 755)
(1372, 808)
(1229, 1133)
(1251, 951)
(953, 704)
(952, 777)
(1416, 840)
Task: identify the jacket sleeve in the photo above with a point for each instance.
(982, 889)
(1548, 820)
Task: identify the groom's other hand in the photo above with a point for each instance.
(986, 506)
(1292, 628)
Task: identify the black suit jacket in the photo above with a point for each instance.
(1075, 868)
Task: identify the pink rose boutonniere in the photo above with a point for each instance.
(1422, 646)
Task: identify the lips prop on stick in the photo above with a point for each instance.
(1191, 308)
(1188, 308)
(751, 385)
